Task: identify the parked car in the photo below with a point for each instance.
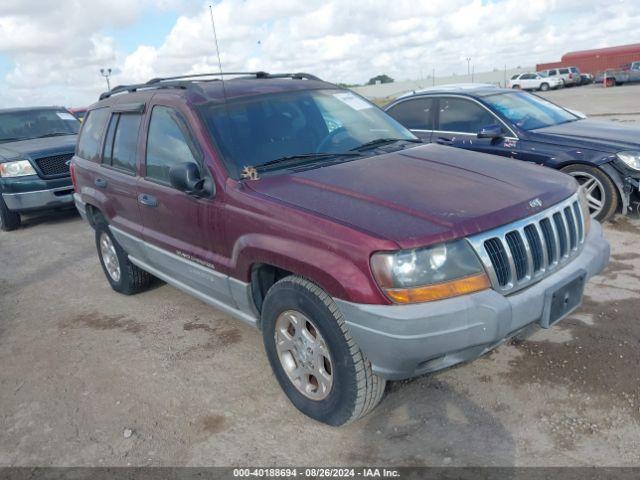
(570, 75)
(628, 74)
(534, 81)
(603, 156)
(586, 78)
(303, 209)
(36, 145)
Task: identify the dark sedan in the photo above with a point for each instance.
(603, 157)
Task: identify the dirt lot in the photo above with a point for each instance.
(90, 377)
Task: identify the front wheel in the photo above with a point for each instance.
(8, 220)
(601, 192)
(313, 356)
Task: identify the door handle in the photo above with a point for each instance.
(100, 183)
(444, 141)
(147, 200)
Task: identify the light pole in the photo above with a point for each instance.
(106, 73)
(468, 66)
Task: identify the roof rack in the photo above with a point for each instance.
(185, 81)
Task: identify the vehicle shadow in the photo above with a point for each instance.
(427, 422)
(51, 217)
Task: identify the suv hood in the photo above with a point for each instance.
(593, 134)
(421, 195)
(37, 147)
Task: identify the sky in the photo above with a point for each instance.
(51, 53)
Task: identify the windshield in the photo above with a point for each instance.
(529, 111)
(27, 124)
(251, 132)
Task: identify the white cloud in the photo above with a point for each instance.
(57, 51)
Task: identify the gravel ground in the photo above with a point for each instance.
(90, 377)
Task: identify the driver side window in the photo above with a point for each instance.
(458, 115)
(168, 144)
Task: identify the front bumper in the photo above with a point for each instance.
(404, 341)
(39, 200)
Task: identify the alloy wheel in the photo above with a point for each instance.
(594, 191)
(303, 354)
(110, 257)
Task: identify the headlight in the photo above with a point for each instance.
(20, 168)
(426, 274)
(584, 206)
(630, 159)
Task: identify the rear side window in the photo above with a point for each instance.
(168, 144)
(465, 116)
(552, 73)
(91, 134)
(416, 114)
(528, 76)
(564, 71)
(121, 144)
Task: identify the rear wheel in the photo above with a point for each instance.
(123, 276)
(313, 356)
(544, 87)
(8, 220)
(601, 192)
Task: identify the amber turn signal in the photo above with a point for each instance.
(439, 291)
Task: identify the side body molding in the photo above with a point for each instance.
(216, 289)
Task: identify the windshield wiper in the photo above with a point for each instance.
(382, 141)
(301, 157)
(54, 134)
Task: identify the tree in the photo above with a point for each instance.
(380, 79)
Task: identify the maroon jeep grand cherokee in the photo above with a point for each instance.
(303, 209)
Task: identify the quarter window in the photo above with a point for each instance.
(168, 144)
(91, 135)
(415, 114)
(121, 145)
(460, 115)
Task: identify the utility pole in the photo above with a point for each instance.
(468, 66)
(106, 73)
(433, 76)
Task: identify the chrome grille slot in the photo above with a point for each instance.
(561, 231)
(578, 216)
(521, 253)
(498, 255)
(514, 241)
(533, 238)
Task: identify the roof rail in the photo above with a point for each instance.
(184, 81)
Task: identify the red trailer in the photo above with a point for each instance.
(596, 60)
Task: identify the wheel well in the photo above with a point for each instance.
(263, 276)
(94, 215)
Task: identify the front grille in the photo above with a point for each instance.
(55, 166)
(521, 253)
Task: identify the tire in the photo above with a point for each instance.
(544, 87)
(354, 389)
(608, 193)
(516, 87)
(130, 279)
(8, 220)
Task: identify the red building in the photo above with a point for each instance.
(593, 61)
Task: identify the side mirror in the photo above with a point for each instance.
(491, 131)
(186, 178)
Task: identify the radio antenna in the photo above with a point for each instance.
(215, 38)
